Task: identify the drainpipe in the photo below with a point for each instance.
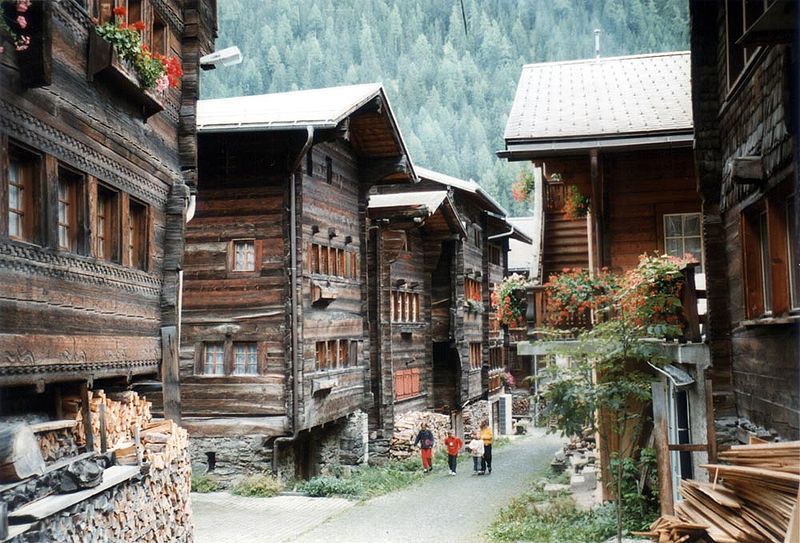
(296, 388)
(504, 234)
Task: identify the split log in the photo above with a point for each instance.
(20, 456)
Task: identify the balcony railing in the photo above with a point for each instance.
(540, 319)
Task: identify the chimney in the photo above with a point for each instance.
(596, 43)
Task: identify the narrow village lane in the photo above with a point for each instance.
(441, 508)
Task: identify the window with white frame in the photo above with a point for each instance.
(683, 235)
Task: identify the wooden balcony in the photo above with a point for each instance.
(543, 325)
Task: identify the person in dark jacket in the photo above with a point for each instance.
(425, 442)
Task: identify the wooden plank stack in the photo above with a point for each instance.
(751, 500)
(408, 425)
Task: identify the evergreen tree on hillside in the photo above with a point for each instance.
(451, 90)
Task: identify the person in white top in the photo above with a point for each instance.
(475, 447)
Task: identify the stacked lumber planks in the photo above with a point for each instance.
(753, 499)
(408, 425)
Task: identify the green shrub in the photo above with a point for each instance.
(535, 518)
(500, 441)
(261, 485)
(204, 484)
(332, 486)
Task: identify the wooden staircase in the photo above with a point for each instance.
(565, 244)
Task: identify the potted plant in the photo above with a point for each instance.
(13, 24)
(576, 205)
(522, 188)
(508, 301)
(474, 306)
(507, 378)
(117, 55)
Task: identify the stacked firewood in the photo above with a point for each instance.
(151, 504)
(57, 444)
(521, 406)
(122, 411)
(751, 500)
(408, 425)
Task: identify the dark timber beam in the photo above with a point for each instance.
(376, 170)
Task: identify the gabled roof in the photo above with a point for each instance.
(320, 108)
(373, 130)
(605, 102)
(470, 187)
(426, 203)
(520, 255)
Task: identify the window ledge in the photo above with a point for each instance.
(767, 321)
(320, 374)
(408, 398)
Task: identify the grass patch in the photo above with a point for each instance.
(261, 485)
(534, 518)
(500, 442)
(204, 484)
(369, 481)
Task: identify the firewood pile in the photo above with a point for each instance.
(753, 499)
(122, 412)
(57, 443)
(520, 406)
(137, 491)
(408, 425)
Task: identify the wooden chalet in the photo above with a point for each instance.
(744, 96)
(620, 131)
(275, 341)
(95, 179)
(412, 241)
(469, 345)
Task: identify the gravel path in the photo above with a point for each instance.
(441, 508)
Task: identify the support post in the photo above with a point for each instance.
(87, 417)
(711, 432)
(170, 373)
(660, 425)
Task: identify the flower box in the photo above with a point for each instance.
(105, 65)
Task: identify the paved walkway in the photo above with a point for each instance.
(439, 509)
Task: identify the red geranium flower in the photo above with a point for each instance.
(120, 11)
(138, 26)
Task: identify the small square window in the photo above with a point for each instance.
(244, 255)
(245, 359)
(683, 235)
(214, 359)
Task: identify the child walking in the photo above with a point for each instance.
(425, 442)
(476, 448)
(453, 445)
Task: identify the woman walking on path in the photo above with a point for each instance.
(453, 445)
(425, 442)
(487, 436)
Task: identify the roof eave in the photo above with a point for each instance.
(527, 149)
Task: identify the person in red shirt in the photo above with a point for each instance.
(453, 445)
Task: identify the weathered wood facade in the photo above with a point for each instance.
(411, 286)
(632, 157)
(275, 341)
(744, 95)
(93, 190)
(469, 346)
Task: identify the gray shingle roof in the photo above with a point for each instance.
(470, 187)
(607, 97)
